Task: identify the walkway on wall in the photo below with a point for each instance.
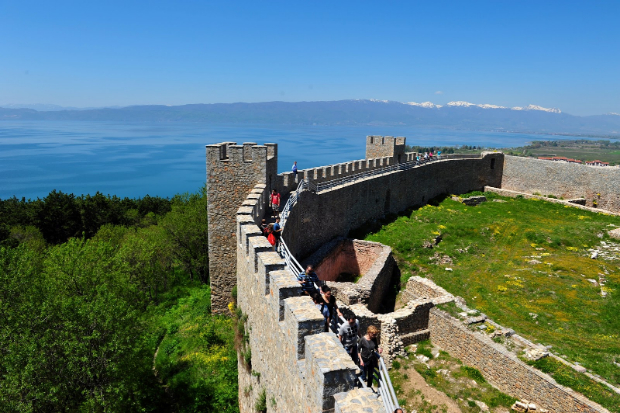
(324, 186)
(385, 388)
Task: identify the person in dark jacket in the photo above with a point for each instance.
(308, 279)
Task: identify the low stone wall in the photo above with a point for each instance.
(300, 367)
(563, 179)
(420, 288)
(503, 369)
(572, 203)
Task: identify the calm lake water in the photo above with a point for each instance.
(135, 159)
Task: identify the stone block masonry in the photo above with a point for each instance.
(300, 367)
(232, 173)
(385, 146)
(320, 217)
(503, 369)
(571, 202)
(562, 179)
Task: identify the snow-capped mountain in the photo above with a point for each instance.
(424, 104)
(535, 107)
(461, 104)
(377, 113)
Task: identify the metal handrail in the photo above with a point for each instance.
(291, 261)
(322, 186)
(386, 390)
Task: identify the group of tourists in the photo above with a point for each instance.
(427, 156)
(361, 349)
(273, 230)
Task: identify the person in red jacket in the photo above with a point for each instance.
(275, 203)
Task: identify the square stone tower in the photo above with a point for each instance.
(232, 172)
(386, 146)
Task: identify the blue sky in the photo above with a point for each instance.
(563, 54)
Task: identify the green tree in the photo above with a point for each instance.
(187, 228)
(59, 217)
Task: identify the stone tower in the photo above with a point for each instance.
(386, 146)
(232, 172)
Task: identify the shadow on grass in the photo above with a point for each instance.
(372, 226)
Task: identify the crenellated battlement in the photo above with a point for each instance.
(292, 359)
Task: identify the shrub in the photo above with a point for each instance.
(261, 402)
(473, 374)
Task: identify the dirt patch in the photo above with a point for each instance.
(429, 380)
(420, 395)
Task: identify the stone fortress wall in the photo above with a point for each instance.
(293, 361)
(320, 217)
(562, 179)
(299, 367)
(232, 172)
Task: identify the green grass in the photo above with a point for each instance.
(196, 358)
(492, 244)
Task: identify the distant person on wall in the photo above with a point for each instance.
(348, 335)
(334, 311)
(275, 203)
(308, 279)
(320, 304)
(270, 236)
(295, 170)
(277, 230)
(438, 154)
(367, 345)
(263, 226)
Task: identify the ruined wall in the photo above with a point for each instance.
(372, 260)
(562, 179)
(503, 369)
(419, 287)
(320, 217)
(232, 172)
(299, 367)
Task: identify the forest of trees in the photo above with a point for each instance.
(106, 307)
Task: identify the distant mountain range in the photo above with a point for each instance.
(454, 115)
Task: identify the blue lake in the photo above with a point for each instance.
(136, 159)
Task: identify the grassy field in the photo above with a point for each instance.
(525, 264)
